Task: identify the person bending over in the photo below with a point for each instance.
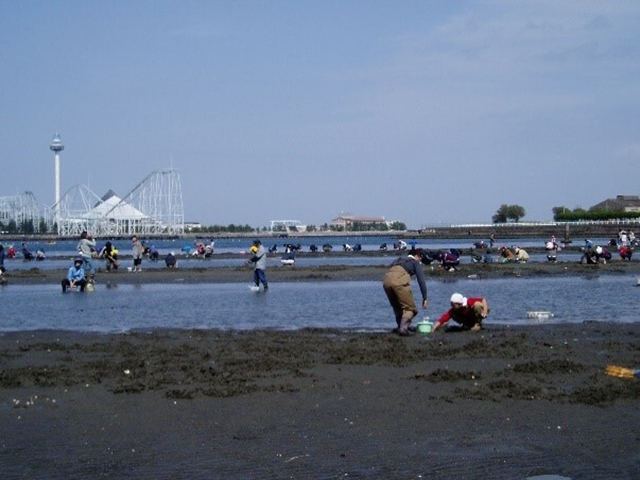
(397, 286)
(468, 312)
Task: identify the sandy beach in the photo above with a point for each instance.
(509, 402)
(505, 403)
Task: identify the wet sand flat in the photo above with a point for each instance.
(327, 273)
(505, 403)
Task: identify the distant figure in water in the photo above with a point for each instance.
(449, 260)
(552, 251)
(602, 254)
(75, 277)
(507, 255)
(154, 255)
(521, 255)
(209, 249)
(26, 254)
(40, 255)
(397, 286)
(170, 260)
(109, 253)
(626, 253)
(588, 256)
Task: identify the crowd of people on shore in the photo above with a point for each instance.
(82, 273)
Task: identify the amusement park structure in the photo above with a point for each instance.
(26, 214)
(153, 207)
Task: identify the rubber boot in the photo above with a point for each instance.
(403, 329)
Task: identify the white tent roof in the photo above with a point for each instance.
(123, 211)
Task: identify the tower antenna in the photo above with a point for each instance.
(57, 146)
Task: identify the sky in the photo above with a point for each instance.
(420, 111)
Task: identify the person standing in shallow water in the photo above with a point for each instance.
(87, 249)
(259, 261)
(397, 286)
(137, 250)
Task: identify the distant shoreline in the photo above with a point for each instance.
(500, 230)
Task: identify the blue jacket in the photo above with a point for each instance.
(75, 274)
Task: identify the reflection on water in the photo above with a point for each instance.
(350, 305)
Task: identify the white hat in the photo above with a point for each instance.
(459, 299)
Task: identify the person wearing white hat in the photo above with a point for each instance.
(469, 312)
(521, 255)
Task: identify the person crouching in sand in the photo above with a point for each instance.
(469, 312)
(75, 277)
(397, 286)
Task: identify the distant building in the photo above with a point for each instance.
(287, 225)
(191, 226)
(622, 203)
(346, 221)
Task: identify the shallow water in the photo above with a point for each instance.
(272, 261)
(238, 245)
(349, 305)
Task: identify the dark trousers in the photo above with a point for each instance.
(66, 284)
(259, 276)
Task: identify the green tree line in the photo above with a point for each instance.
(564, 214)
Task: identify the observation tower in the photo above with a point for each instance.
(57, 146)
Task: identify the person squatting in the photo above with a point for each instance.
(468, 312)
